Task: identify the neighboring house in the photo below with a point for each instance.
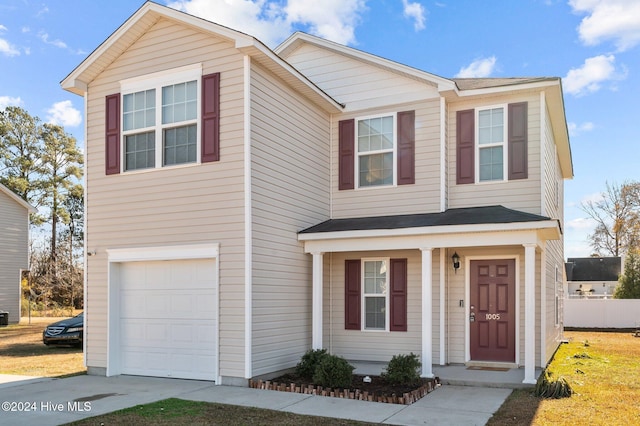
(589, 277)
(14, 250)
(246, 205)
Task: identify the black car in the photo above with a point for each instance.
(66, 332)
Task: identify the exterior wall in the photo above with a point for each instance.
(14, 254)
(187, 204)
(601, 289)
(421, 197)
(553, 202)
(290, 191)
(376, 345)
(523, 194)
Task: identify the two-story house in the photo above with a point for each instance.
(246, 205)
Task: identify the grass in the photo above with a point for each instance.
(180, 412)
(23, 353)
(603, 369)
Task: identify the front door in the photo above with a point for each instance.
(492, 316)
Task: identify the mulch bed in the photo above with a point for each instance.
(376, 391)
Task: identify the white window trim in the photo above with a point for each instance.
(157, 81)
(364, 294)
(394, 151)
(504, 144)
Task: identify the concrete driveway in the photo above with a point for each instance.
(42, 401)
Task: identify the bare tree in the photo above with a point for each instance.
(617, 217)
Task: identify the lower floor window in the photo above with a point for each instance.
(375, 294)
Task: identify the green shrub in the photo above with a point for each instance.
(403, 370)
(309, 361)
(546, 387)
(333, 371)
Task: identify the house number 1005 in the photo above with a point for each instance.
(492, 316)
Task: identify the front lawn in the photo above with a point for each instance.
(603, 370)
(23, 353)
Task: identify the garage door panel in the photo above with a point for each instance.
(168, 322)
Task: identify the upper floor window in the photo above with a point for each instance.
(376, 151)
(491, 146)
(160, 124)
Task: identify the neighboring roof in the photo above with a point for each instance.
(463, 216)
(148, 15)
(17, 199)
(593, 268)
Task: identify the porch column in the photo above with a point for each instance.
(529, 314)
(316, 302)
(427, 311)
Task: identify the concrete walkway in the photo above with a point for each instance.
(37, 401)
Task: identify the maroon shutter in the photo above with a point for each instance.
(210, 140)
(112, 134)
(465, 147)
(398, 295)
(517, 132)
(352, 294)
(346, 153)
(406, 148)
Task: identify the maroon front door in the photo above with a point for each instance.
(492, 316)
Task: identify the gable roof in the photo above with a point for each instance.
(593, 268)
(460, 216)
(17, 199)
(149, 14)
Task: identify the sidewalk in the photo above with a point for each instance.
(57, 401)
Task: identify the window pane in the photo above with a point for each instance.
(140, 151)
(376, 169)
(375, 277)
(375, 313)
(138, 110)
(375, 134)
(180, 145)
(491, 126)
(491, 164)
(179, 102)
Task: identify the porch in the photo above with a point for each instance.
(462, 375)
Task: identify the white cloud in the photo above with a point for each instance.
(416, 12)
(6, 101)
(64, 114)
(3, 28)
(590, 76)
(479, 68)
(57, 43)
(581, 223)
(271, 22)
(8, 49)
(575, 129)
(617, 20)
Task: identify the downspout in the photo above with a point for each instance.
(85, 273)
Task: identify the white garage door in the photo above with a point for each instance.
(167, 319)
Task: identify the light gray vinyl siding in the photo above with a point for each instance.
(421, 197)
(290, 192)
(357, 84)
(181, 205)
(523, 194)
(14, 255)
(379, 346)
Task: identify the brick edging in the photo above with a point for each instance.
(407, 398)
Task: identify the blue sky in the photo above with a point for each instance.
(594, 45)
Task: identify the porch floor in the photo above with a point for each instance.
(459, 375)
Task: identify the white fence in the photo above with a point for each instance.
(602, 313)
